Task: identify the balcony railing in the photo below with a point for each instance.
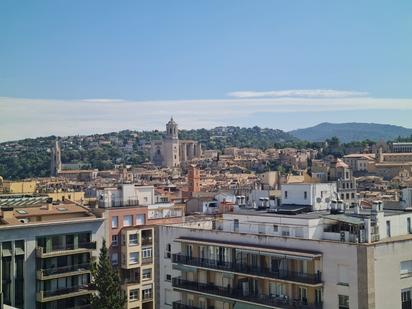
(65, 269)
(147, 241)
(241, 295)
(148, 260)
(248, 269)
(147, 297)
(180, 305)
(64, 291)
(43, 251)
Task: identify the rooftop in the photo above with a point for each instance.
(46, 212)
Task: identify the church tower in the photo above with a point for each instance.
(171, 130)
(56, 161)
(171, 145)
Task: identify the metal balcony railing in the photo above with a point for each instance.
(240, 294)
(147, 241)
(248, 269)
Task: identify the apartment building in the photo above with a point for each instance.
(46, 254)
(257, 259)
(132, 212)
(137, 266)
(313, 196)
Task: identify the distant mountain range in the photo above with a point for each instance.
(351, 131)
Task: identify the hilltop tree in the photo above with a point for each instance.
(109, 294)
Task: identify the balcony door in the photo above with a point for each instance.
(70, 241)
(189, 251)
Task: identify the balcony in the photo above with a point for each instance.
(148, 260)
(248, 269)
(56, 272)
(147, 296)
(65, 249)
(52, 295)
(179, 305)
(147, 241)
(240, 295)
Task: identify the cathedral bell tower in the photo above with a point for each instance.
(171, 130)
(171, 145)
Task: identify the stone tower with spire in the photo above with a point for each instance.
(56, 161)
(171, 145)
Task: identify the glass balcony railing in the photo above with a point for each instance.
(91, 245)
(64, 291)
(180, 305)
(65, 269)
(242, 295)
(248, 269)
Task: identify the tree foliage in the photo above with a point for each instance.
(109, 294)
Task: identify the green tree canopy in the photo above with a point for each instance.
(109, 294)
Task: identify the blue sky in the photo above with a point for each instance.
(89, 60)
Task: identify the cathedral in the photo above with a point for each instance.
(171, 151)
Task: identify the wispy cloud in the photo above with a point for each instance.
(298, 93)
(102, 100)
(21, 118)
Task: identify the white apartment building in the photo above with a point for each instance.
(256, 259)
(317, 196)
(126, 195)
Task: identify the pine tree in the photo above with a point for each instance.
(109, 294)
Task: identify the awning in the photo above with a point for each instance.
(346, 219)
(256, 248)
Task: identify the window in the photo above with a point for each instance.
(127, 220)
(168, 277)
(134, 295)
(115, 222)
(343, 301)
(133, 239)
(276, 289)
(408, 223)
(146, 253)
(406, 299)
(303, 294)
(388, 228)
(140, 219)
(353, 195)
(147, 274)
(168, 254)
(115, 259)
(236, 225)
(147, 293)
(305, 195)
(318, 296)
(343, 271)
(285, 231)
(406, 269)
(275, 228)
(134, 257)
(115, 240)
(286, 194)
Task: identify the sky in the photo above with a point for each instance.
(80, 67)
